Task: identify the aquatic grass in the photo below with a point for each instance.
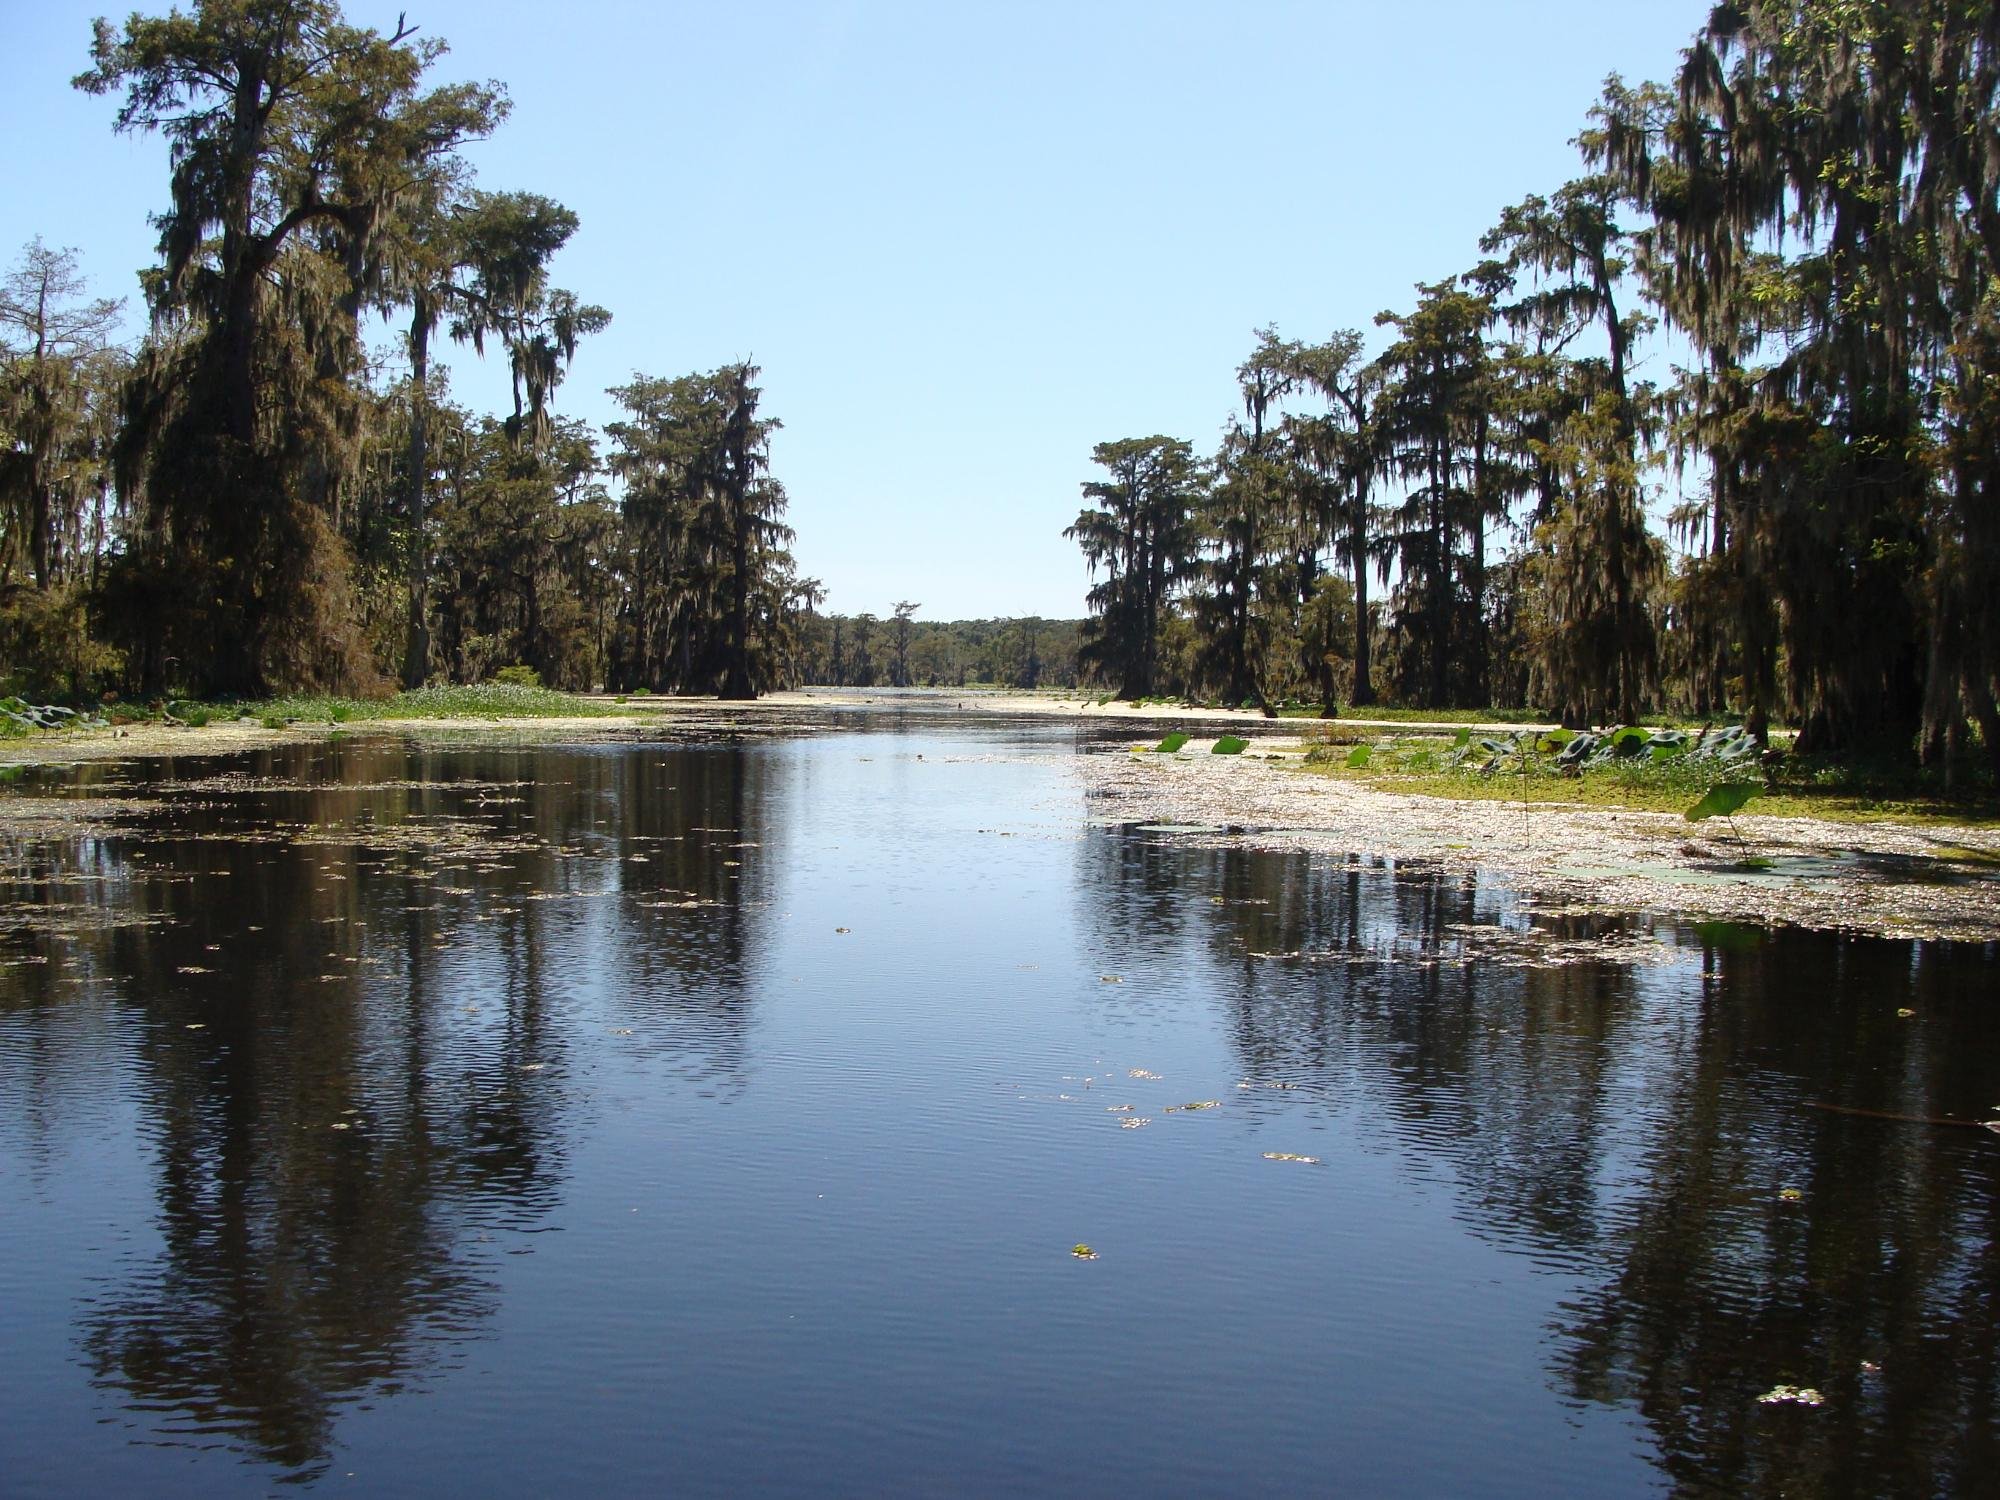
(1524, 771)
(487, 700)
(1646, 789)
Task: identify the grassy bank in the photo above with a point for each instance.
(492, 700)
(1460, 768)
(487, 701)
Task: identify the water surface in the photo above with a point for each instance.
(718, 1117)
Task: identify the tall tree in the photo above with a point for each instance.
(293, 138)
(1824, 179)
(1600, 563)
(1244, 516)
(1342, 447)
(57, 368)
(905, 611)
(476, 263)
(702, 512)
(1437, 375)
(1139, 531)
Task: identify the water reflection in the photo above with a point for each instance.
(404, 1034)
(343, 990)
(1765, 1240)
(1757, 1152)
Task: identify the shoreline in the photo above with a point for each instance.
(1888, 878)
(220, 736)
(1884, 879)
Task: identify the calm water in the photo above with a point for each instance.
(718, 1118)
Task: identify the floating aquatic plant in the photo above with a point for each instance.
(1791, 1395)
(1723, 800)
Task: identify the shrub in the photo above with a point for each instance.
(47, 650)
(518, 676)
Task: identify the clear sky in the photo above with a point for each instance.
(965, 241)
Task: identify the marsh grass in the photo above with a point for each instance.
(489, 700)
(1860, 792)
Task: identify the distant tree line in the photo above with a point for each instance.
(246, 503)
(1813, 208)
(862, 651)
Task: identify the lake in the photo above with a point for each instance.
(724, 1114)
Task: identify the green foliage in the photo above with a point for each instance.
(1359, 756)
(491, 700)
(1723, 800)
(48, 648)
(243, 506)
(1027, 653)
(1171, 744)
(296, 138)
(518, 676)
(1802, 206)
(715, 601)
(1138, 531)
(1230, 744)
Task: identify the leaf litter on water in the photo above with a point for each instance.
(1791, 1395)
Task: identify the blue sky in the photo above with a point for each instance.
(965, 242)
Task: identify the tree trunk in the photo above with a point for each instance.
(417, 649)
(38, 532)
(1364, 683)
(736, 682)
(1481, 652)
(1440, 580)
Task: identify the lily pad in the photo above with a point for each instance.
(1169, 744)
(1723, 800)
(1230, 744)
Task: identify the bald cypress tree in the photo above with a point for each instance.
(294, 136)
(1137, 536)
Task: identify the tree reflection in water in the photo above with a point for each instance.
(369, 1010)
(355, 991)
(1649, 1124)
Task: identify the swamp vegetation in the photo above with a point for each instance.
(1803, 226)
(1461, 511)
(425, 1037)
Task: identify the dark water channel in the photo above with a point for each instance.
(719, 1118)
